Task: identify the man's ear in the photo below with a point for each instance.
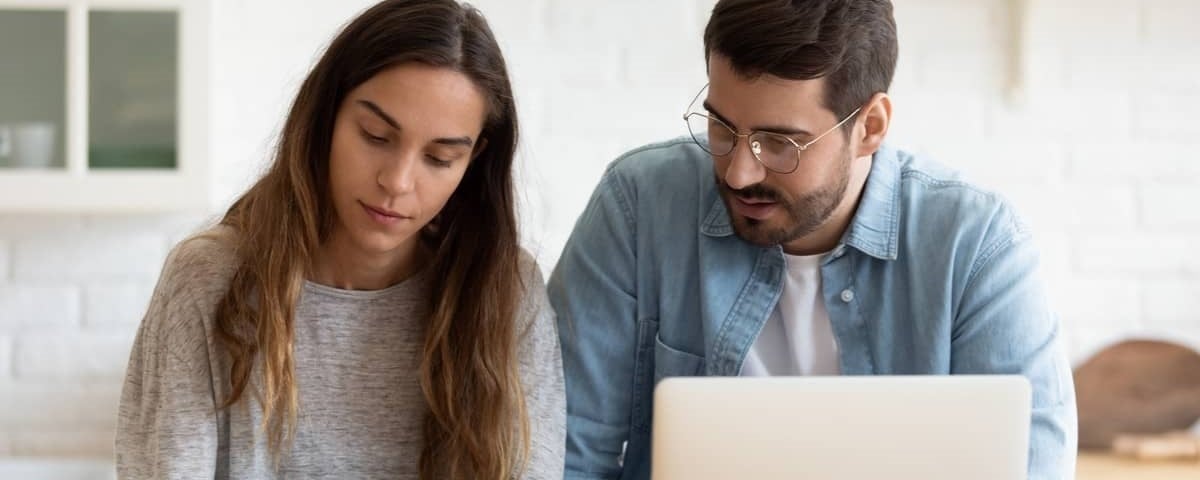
(876, 117)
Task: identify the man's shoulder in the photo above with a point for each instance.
(939, 201)
(661, 180)
(924, 176)
(669, 164)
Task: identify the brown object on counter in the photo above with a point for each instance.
(1109, 466)
(1137, 387)
(1170, 446)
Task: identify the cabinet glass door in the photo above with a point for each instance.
(133, 83)
(33, 90)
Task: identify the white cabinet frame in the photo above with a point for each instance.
(80, 189)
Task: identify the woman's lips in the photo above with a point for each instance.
(382, 216)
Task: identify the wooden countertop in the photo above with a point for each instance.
(1096, 466)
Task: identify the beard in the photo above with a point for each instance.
(802, 215)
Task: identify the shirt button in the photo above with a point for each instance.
(847, 295)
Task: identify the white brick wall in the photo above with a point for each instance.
(4, 261)
(65, 443)
(115, 305)
(73, 356)
(1169, 304)
(1140, 162)
(92, 255)
(1167, 116)
(38, 307)
(1161, 206)
(33, 409)
(1138, 254)
(6, 369)
(72, 290)
(1100, 154)
(1171, 23)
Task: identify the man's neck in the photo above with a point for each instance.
(827, 236)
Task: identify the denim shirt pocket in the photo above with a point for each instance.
(672, 362)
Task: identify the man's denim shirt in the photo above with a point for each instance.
(933, 276)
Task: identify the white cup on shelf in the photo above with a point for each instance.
(31, 145)
(5, 144)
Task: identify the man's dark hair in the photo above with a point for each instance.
(850, 43)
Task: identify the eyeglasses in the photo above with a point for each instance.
(778, 153)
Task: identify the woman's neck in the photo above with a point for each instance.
(341, 264)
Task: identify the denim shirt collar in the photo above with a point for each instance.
(875, 229)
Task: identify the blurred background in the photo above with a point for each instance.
(127, 124)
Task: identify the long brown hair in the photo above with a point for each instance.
(477, 426)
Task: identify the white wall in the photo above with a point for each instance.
(1100, 156)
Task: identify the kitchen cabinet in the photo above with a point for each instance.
(103, 105)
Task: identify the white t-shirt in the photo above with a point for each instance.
(798, 338)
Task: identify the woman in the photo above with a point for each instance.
(364, 310)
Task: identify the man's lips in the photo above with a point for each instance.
(753, 201)
(755, 208)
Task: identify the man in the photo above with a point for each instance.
(784, 238)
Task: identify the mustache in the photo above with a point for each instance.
(757, 191)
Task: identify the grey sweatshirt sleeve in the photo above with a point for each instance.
(542, 379)
(167, 424)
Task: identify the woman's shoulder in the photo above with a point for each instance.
(201, 266)
(528, 266)
(195, 276)
(534, 305)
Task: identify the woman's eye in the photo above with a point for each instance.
(437, 162)
(375, 139)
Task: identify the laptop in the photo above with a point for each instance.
(862, 427)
